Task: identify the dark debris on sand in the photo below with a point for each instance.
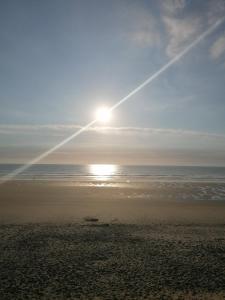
(70, 261)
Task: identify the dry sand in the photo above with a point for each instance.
(61, 241)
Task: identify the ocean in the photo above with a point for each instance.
(116, 173)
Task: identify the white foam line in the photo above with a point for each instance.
(21, 169)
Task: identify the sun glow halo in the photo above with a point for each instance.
(103, 114)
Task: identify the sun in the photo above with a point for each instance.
(103, 114)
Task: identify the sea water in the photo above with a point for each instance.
(116, 173)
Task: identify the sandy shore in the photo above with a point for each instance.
(143, 204)
(61, 241)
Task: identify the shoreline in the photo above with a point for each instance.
(30, 201)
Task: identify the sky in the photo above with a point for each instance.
(61, 60)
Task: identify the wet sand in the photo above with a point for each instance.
(148, 203)
(61, 241)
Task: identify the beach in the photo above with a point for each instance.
(155, 240)
(112, 150)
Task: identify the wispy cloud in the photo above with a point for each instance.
(184, 20)
(214, 9)
(141, 26)
(63, 129)
(181, 26)
(218, 48)
(145, 34)
(173, 7)
(181, 32)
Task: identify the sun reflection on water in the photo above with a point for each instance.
(102, 171)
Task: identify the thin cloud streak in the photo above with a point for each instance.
(61, 129)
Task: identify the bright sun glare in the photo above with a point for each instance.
(102, 171)
(103, 114)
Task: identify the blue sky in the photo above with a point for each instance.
(60, 60)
